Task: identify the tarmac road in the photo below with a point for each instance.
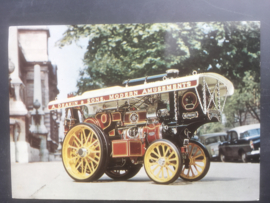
(49, 180)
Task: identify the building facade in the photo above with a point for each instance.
(28, 63)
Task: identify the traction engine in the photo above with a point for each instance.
(147, 121)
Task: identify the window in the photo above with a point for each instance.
(234, 135)
(222, 138)
(229, 137)
(211, 140)
(250, 133)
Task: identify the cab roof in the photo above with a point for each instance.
(187, 82)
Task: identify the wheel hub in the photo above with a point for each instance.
(191, 161)
(161, 161)
(82, 152)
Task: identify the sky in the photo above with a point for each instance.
(68, 59)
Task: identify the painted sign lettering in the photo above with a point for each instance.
(124, 95)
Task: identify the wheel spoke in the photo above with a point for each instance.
(76, 143)
(95, 151)
(72, 159)
(78, 164)
(163, 150)
(81, 138)
(155, 154)
(172, 153)
(72, 147)
(159, 171)
(154, 163)
(197, 148)
(92, 159)
(92, 144)
(166, 151)
(200, 161)
(84, 136)
(97, 157)
(88, 167)
(168, 171)
(189, 154)
(158, 151)
(153, 158)
(192, 171)
(173, 159)
(200, 155)
(188, 171)
(95, 146)
(172, 164)
(155, 168)
(183, 169)
(196, 168)
(89, 135)
(74, 135)
(202, 167)
(93, 167)
(84, 167)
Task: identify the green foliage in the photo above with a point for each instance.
(244, 101)
(210, 128)
(117, 52)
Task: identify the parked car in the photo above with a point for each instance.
(212, 141)
(242, 143)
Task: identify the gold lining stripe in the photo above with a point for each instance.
(113, 131)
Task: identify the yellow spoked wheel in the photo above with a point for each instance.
(197, 164)
(84, 152)
(162, 162)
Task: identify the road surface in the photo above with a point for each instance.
(49, 180)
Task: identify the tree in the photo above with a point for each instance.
(243, 102)
(117, 52)
(210, 128)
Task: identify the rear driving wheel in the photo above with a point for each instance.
(162, 162)
(84, 153)
(198, 162)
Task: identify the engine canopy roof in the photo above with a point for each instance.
(162, 86)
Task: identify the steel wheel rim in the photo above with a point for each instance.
(161, 162)
(81, 152)
(197, 162)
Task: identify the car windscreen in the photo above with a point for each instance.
(211, 140)
(250, 133)
(222, 138)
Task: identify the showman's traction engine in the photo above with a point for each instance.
(146, 121)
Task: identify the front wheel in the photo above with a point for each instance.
(197, 163)
(85, 152)
(162, 162)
